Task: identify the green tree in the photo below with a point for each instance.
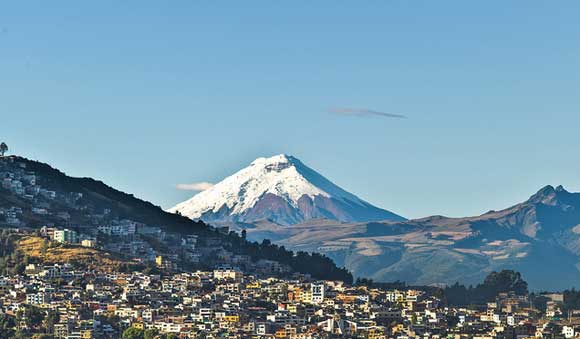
(506, 281)
(133, 333)
(3, 148)
(150, 333)
(571, 299)
(414, 318)
(44, 247)
(494, 283)
(539, 301)
(21, 335)
(7, 324)
(51, 318)
(31, 315)
(43, 336)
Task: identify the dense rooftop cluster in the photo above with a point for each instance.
(79, 259)
(61, 301)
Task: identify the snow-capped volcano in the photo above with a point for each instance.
(280, 188)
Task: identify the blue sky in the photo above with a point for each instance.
(145, 95)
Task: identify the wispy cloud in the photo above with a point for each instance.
(196, 186)
(364, 112)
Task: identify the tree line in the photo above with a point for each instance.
(461, 295)
(317, 265)
(492, 285)
(12, 261)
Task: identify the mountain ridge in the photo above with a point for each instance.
(540, 232)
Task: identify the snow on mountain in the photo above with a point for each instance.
(280, 188)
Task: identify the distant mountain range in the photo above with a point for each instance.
(280, 189)
(281, 199)
(539, 237)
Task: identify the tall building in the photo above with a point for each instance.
(317, 290)
(66, 236)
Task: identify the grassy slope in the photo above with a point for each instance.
(31, 246)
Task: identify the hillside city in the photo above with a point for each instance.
(71, 268)
(289, 169)
(59, 301)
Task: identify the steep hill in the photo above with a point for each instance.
(84, 199)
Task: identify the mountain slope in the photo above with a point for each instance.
(98, 195)
(539, 237)
(93, 197)
(282, 189)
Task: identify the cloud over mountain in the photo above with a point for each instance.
(195, 186)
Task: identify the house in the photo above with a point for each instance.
(89, 243)
(228, 273)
